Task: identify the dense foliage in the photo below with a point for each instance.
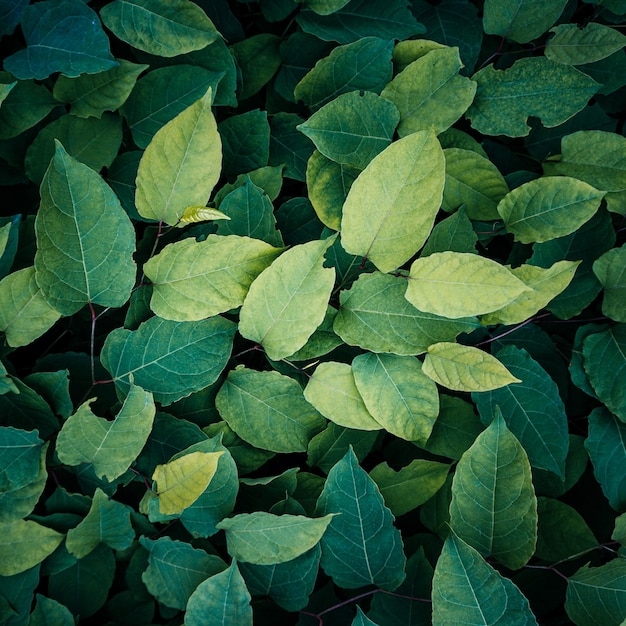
(313, 312)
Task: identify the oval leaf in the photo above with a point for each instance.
(573, 45)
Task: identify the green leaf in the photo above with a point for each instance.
(361, 619)
(467, 590)
(400, 397)
(110, 447)
(531, 86)
(24, 544)
(48, 612)
(268, 178)
(180, 482)
(50, 49)
(547, 208)
(5, 90)
(181, 165)
(195, 214)
(333, 392)
(78, 211)
(353, 128)
(193, 280)
(375, 315)
(364, 65)
(90, 95)
(25, 314)
(162, 27)
(360, 546)
(533, 410)
(596, 596)
(494, 507)
(521, 20)
(362, 18)
(258, 59)
(429, 93)
(325, 7)
(611, 272)
(573, 45)
(222, 600)
(288, 300)
(288, 146)
(175, 569)
(473, 181)
(606, 352)
(607, 451)
(454, 233)
(266, 539)
(107, 522)
(410, 486)
(169, 359)
(21, 453)
(388, 219)
(461, 284)
(595, 157)
(465, 368)
(268, 410)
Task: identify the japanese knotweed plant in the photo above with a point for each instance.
(313, 312)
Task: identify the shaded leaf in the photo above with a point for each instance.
(610, 269)
(258, 59)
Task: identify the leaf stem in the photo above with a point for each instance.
(512, 330)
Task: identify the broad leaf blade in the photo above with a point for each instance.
(573, 45)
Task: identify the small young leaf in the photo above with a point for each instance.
(194, 214)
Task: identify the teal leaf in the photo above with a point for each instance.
(78, 211)
(610, 271)
(48, 612)
(10, 15)
(361, 619)
(268, 410)
(21, 453)
(467, 590)
(531, 86)
(288, 146)
(573, 45)
(533, 410)
(375, 315)
(388, 219)
(360, 546)
(110, 447)
(222, 600)
(258, 59)
(161, 27)
(169, 359)
(48, 28)
(288, 300)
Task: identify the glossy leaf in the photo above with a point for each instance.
(288, 300)
(379, 209)
(572, 45)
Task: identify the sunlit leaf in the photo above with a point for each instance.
(24, 544)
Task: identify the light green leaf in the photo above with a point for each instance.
(181, 165)
(467, 590)
(596, 157)
(494, 507)
(288, 300)
(596, 596)
(25, 314)
(162, 27)
(533, 410)
(375, 315)
(545, 284)
(108, 522)
(364, 65)
(195, 214)
(400, 397)
(465, 368)
(78, 212)
(333, 392)
(573, 45)
(361, 546)
(473, 181)
(110, 447)
(268, 410)
(610, 269)
(411, 485)
(430, 93)
(533, 86)
(49, 48)
(388, 218)
(549, 207)
(175, 569)
(92, 94)
(221, 600)
(180, 483)
(321, 342)
(169, 359)
(460, 284)
(193, 280)
(521, 20)
(353, 128)
(266, 539)
(24, 544)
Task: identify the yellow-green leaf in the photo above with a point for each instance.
(193, 214)
(573, 45)
(610, 270)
